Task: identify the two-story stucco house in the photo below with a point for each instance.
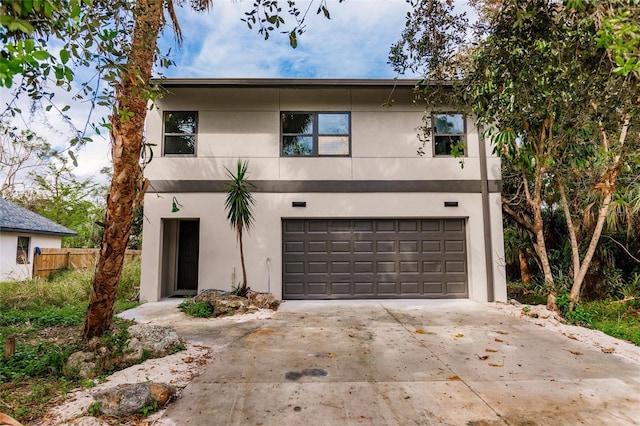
(345, 208)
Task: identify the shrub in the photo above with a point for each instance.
(196, 309)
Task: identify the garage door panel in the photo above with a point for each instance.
(454, 246)
(360, 267)
(387, 288)
(340, 246)
(385, 226)
(430, 246)
(409, 267)
(385, 246)
(408, 246)
(318, 227)
(363, 246)
(408, 226)
(341, 288)
(374, 258)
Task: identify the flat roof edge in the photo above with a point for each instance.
(288, 82)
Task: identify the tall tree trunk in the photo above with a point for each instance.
(127, 124)
(574, 295)
(525, 276)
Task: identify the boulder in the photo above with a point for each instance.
(132, 398)
(209, 296)
(230, 305)
(158, 341)
(264, 300)
(81, 363)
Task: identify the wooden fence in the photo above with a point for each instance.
(53, 259)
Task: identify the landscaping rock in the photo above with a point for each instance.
(81, 363)
(231, 305)
(132, 398)
(158, 341)
(88, 421)
(209, 296)
(265, 300)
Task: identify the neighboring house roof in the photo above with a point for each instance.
(14, 218)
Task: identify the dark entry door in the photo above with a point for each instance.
(188, 252)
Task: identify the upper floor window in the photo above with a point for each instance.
(180, 128)
(315, 134)
(22, 253)
(448, 134)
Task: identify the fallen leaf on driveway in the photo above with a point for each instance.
(352, 335)
(484, 357)
(495, 365)
(454, 378)
(608, 350)
(331, 355)
(498, 340)
(459, 335)
(576, 352)
(490, 350)
(420, 331)
(502, 332)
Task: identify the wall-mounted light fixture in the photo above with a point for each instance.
(175, 205)
(451, 204)
(299, 204)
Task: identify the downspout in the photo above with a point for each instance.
(486, 215)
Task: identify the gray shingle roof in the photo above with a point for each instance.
(14, 218)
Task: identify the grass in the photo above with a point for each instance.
(617, 318)
(46, 318)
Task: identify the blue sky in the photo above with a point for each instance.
(353, 44)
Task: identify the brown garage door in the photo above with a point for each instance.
(374, 258)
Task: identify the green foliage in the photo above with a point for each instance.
(196, 309)
(129, 284)
(239, 204)
(266, 17)
(35, 360)
(145, 411)
(615, 318)
(94, 409)
(579, 315)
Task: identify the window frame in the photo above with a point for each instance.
(194, 134)
(22, 253)
(315, 134)
(434, 133)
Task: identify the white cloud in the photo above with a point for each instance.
(353, 44)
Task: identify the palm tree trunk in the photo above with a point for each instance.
(244, 270)
(127, 124)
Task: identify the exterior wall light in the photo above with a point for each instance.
(175, 205)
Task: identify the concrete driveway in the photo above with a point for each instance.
(404, 363)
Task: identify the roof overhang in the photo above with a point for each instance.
(290, 82)
(32, 231)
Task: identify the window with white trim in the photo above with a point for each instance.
(315, 134)
(449, 134)
(22, 252)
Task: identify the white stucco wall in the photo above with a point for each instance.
(245, 123)
(9, 269)
(219, 253)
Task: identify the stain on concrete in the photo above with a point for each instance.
(309, 372)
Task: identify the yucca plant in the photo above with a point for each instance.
(238, 205)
